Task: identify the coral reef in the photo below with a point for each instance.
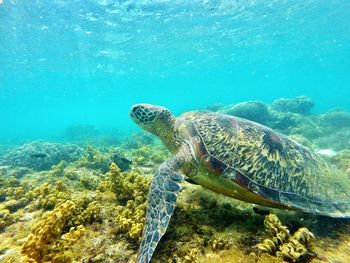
(215, 107)
(58, 170)
(17, 172)
(252, 110)
(123, 163)
(91, 208)
(97, 159)
(292, 248)
(206, 224)
(342, 160)
(131, 192)
(41, 155)
(138, 140)
(94, 159)
(301, 105)
(44, 243)
(295, 124)
(5, 217)
(337, 140)
(47, 196)
(335, 119)
(147, 158)
(289, 116)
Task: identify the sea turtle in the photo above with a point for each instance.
(238, 158)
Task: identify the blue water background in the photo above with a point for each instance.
(76, 62)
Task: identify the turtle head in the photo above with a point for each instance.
(155, 119)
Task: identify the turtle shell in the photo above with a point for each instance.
(266, 163)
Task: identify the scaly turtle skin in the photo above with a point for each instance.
(237, 158)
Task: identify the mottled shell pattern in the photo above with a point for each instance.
(267, 163)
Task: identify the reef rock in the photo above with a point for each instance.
(252, 110)
(301, 105)
(336, 140)
(41, 155)
(216, 107)
(335, 119)
(98, 159)
(137, 140)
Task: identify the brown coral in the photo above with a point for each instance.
(131, 191)
(282, 244)
(43, 243)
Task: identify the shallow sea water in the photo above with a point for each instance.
(70, 72)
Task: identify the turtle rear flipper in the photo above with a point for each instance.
(161, 204)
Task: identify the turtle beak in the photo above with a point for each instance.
(134, 109)
(133, 112)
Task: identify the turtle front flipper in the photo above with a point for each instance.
(161, 204)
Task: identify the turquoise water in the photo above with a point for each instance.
(86, 62)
